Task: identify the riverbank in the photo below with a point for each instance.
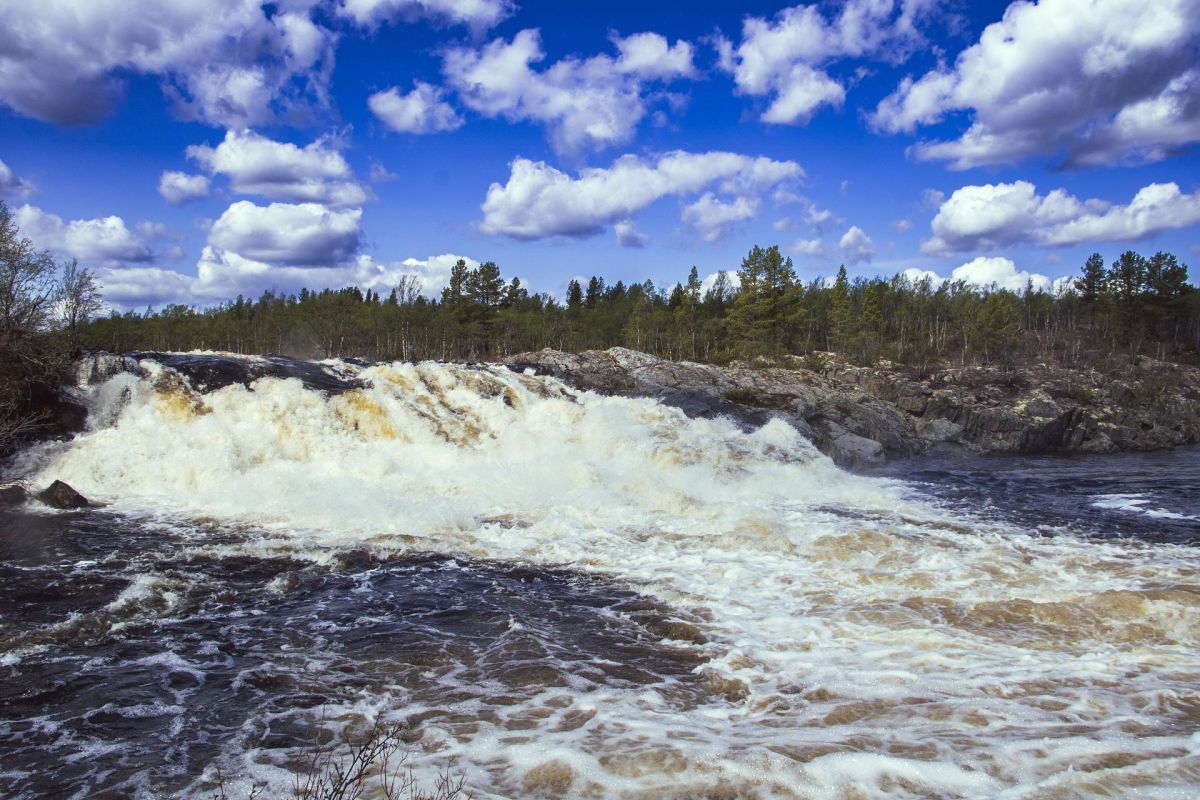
(862, 417)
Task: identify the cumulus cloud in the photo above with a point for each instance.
(994, 215)
(809, 247)
(711, 216)
(987, 273)
(1101, 81)
(477, 14)
(139, 287)
(225, 62)
(585, 104)
(422, 110)
(282, 247)
(1001, 272)
(93, 241)
(289, 234)
(629, 236)
(648, 55)
(917, 275)
(786, 58)
(856, 246)
(11, 185)
(178, 188)
(540, 201)
(222, 274)
(254, 164)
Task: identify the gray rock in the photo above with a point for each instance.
(1144, 406)
(851, 450)
(939, 430)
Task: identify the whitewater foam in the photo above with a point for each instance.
(857, 640)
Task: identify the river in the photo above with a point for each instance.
(559, 594)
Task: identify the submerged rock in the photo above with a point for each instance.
(62, 495)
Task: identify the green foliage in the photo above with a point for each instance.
(1138, 305)
(42, 306)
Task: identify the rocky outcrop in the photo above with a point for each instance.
(861, 417)
(62, 495)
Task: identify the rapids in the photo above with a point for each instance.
(564, 594)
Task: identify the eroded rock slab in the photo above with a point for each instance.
(863, 416)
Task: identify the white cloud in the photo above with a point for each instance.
(254, 164)
(649, 56)
(223, 275)
(786, 58)
(1102, 81)
(478, 14)
(381, 174)
(586, 104)
(300, 234)
(225, 62)
(178, 188)
(986, 273)
(901, 225)
(994, 215)
(139, 287)
(11, 185)
(856, 246)
(420, 111)
(540, 201)
(629, 236)
(711, 216)
(809, 247)
(1002, 272)
(433, 272)
(92, 241)
(801, 93)
(917, 275)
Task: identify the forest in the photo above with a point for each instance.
(1134, 305)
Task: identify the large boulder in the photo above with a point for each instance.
(61, 495)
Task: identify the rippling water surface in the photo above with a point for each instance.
(560, 594)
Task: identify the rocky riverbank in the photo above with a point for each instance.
(864, 416)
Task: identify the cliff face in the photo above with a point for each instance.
(863, 416)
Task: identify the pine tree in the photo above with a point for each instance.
(840, 311)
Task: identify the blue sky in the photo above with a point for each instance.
(190, 151)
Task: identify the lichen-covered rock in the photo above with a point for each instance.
(1146, 405)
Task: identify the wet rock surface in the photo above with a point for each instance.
(864, 416)
(13, 494)
(62, 495)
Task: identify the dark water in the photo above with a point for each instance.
(132, 656)
(1153, 497)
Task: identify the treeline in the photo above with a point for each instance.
(1137, 305)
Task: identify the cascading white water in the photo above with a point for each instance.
(860, 641)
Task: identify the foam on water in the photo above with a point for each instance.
(1137, 503)
(858, 641)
